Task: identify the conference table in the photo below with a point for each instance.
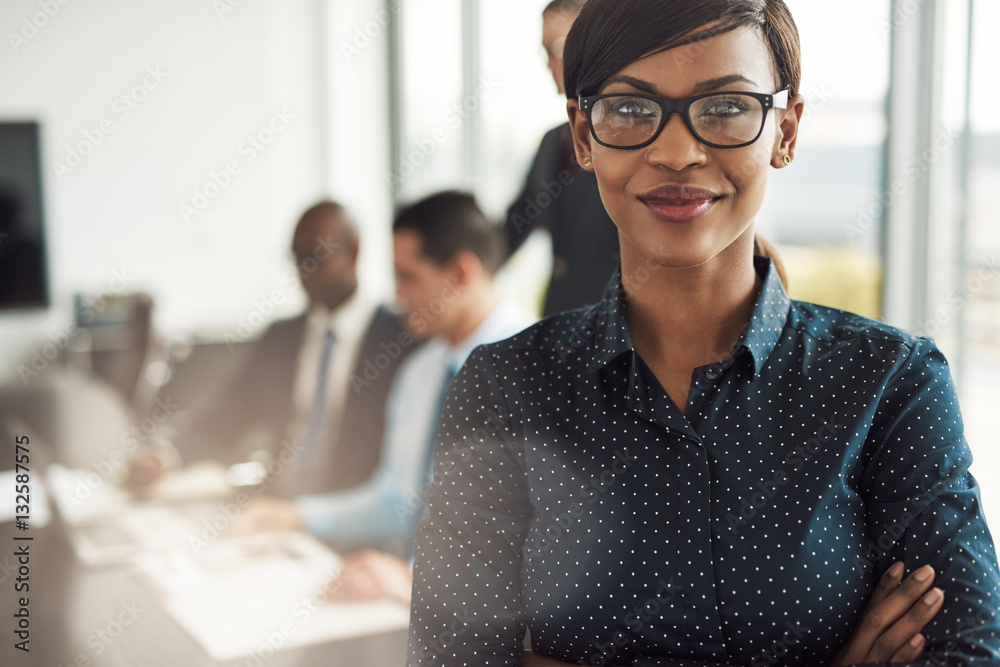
(83, 615)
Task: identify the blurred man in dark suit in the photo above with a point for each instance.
(563, 198)
(311, 400)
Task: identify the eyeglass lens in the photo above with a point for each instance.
(727, 120)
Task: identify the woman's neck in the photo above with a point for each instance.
(680, 319)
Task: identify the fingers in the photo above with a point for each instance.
(887, 584)
(881, 615)
(913, 621)
(896, 612)
(911, 650)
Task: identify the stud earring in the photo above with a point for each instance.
(787, 160)
(587, 162)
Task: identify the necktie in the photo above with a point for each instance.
(313, 435)
(449, 375)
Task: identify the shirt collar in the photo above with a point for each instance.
(759, 336)
(348, 320)
(503, 321)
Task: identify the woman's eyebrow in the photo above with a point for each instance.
(639, 84)
(715, 84)
(704, 86)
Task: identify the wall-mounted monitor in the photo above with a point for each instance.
(23, 266)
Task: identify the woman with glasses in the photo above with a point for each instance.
(698, 470)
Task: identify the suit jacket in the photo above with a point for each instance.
(258, 406)
(563, 198)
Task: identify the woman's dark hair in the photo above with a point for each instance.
(450, 222)
(609, 35)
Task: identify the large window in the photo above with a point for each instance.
(824, 210)
(974, 302)
(888, 210)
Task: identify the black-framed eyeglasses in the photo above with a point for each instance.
(720, 120)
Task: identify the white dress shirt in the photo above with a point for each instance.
(388, 505)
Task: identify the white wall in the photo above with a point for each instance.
(224, 75)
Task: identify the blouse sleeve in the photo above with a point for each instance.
(924, 507)
(467, 607)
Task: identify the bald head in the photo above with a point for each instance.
(327, 217)
(325, 245)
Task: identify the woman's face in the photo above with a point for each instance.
(640, 187)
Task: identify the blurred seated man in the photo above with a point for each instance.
(446, 254)
(313, 393)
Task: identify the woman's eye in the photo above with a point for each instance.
(725, 107)
(633, 108)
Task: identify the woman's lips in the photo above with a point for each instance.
(679, 204)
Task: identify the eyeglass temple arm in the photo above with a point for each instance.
(780, 99)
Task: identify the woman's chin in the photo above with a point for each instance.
(679, 258)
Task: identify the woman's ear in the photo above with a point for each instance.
(788, 132)
(580, 128)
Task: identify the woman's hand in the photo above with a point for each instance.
(531, 659)
(889, 629)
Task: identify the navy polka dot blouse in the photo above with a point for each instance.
(572, 498)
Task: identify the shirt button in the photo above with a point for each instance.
(712, 373)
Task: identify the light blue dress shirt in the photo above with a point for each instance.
(390, 503)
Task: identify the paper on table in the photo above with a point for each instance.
(83, 495)
(239, 598)
(106, 526)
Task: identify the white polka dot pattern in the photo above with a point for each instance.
(571, 496)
